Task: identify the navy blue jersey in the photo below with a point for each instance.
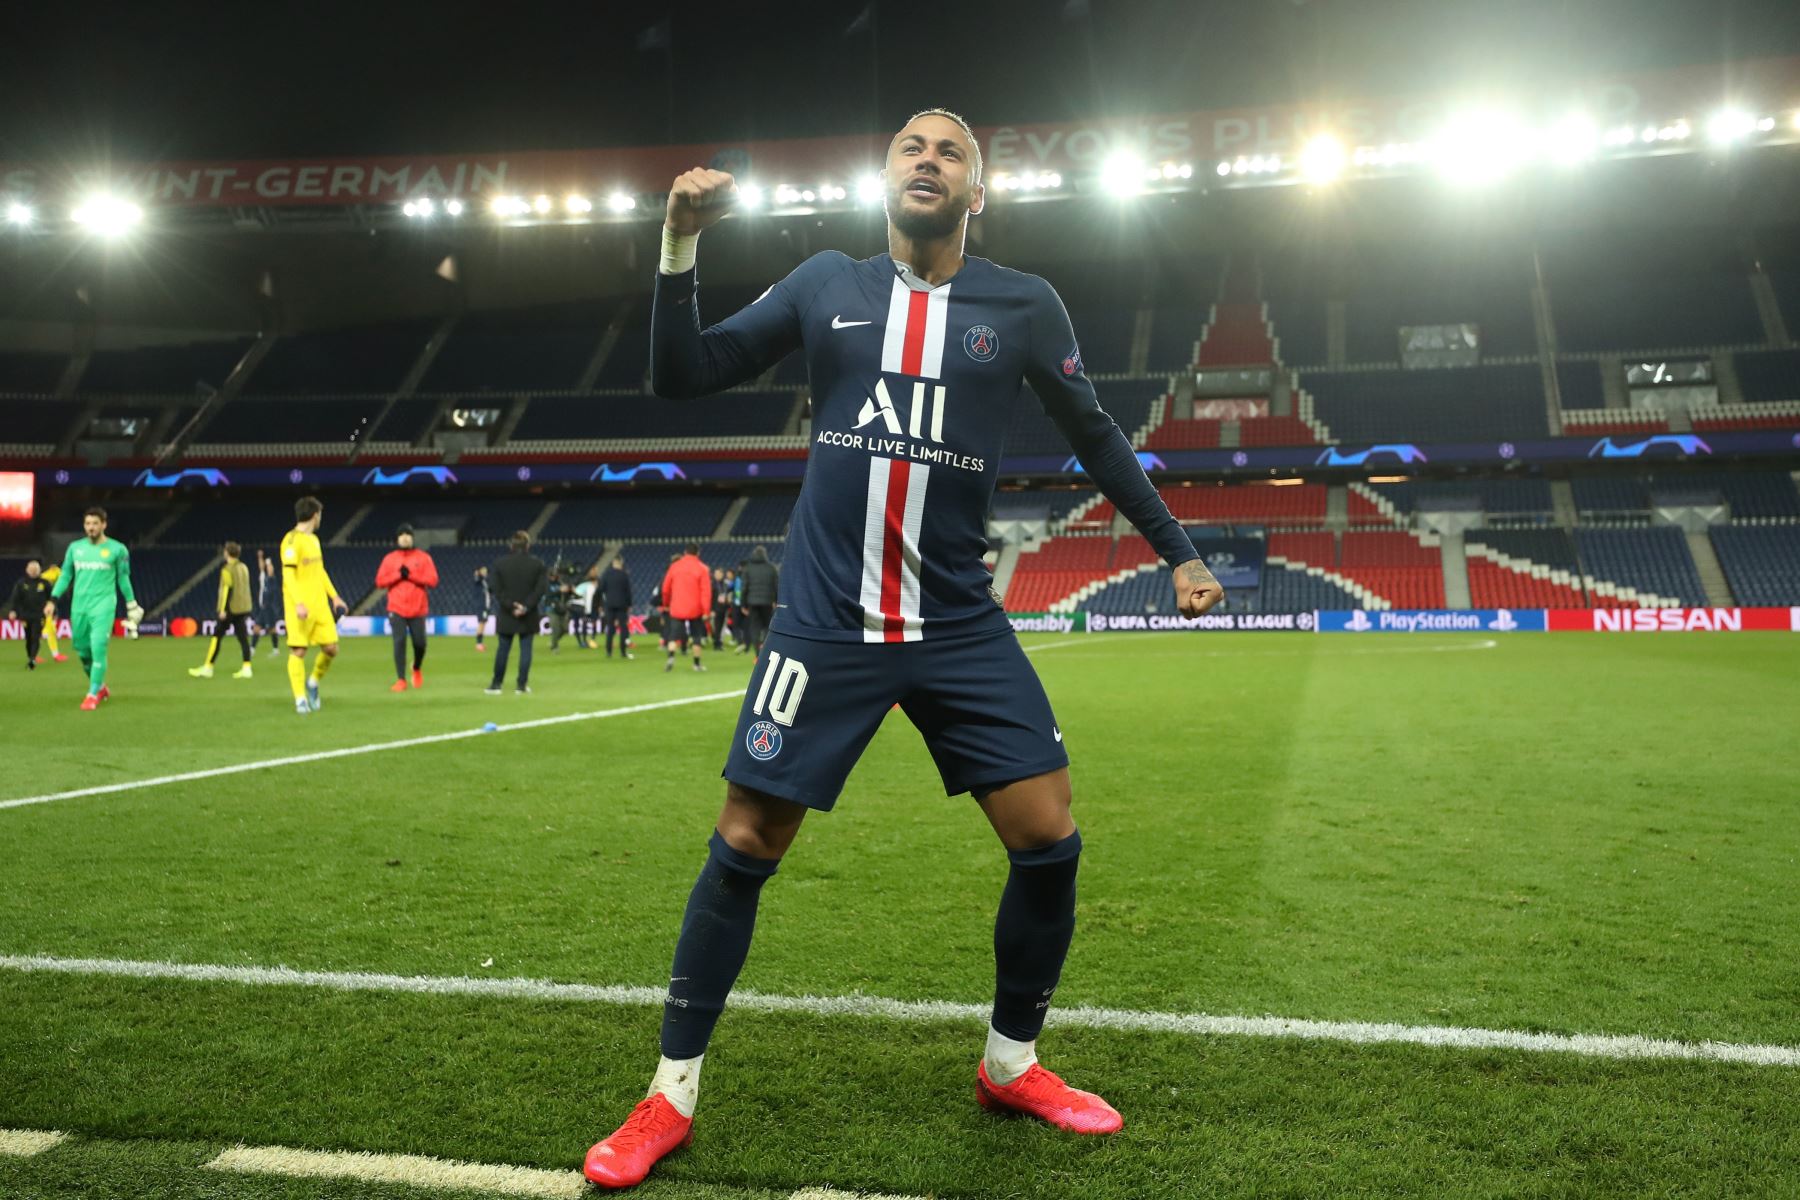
(912, 391)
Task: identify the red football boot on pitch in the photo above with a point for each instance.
(418, 678)
(654, 1129)
(1039, 1093)
(90, 703)
(105, 693)
(399, 685)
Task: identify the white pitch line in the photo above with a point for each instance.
(415, 1170)
(1617, 1046)
(825, 1193)
(23, 1143)
(372, 748)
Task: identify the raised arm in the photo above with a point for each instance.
(687, 358)
(1054, 370)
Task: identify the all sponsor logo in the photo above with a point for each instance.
(982, 343)
(1674, 620)
(881, 406)
(763, 740)
(1432, 620)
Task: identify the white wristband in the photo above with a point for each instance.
(678, 252)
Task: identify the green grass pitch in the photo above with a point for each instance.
(1563, 833)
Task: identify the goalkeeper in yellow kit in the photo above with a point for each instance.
(310, 600)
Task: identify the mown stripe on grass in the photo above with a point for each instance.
(1627, 1046)
(23, 1143)
(415, 1170)
(293, 760)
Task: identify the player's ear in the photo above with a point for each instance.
(980, 200)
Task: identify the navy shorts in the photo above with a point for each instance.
(681, 630)
(812, 707)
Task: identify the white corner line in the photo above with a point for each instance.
(372, 748)
(23, 1143)
(415, 1170)
(1450, 1037)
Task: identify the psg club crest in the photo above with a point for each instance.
(763, 741)
(1071, 366)
(981, 342)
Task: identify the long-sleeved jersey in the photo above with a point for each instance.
(912, 392)
(97, 573)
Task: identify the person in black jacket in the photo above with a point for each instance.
(30, 596)
(762, 591)
(614, 600)
(519, 581)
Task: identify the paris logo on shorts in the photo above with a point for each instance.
(763, 741)
(981, 342)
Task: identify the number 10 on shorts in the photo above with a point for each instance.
(783, 683)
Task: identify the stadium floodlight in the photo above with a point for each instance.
(750, 195)
(621, 202)
(1730, 125)
(454, 207)
(541, 204)
(108, 216)
(868, 189)
(19, 214)
(1050, 179)
(410, 208)
(809, 195)
(1322, 159)
(577, 204)
(509, 206)
(426, 207)
(1224, 168)
(1478, 147)
(1571, 141)
(1123, 173)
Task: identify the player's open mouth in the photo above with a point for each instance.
(923, 187)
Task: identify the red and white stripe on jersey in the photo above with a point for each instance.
(916, 323)
(890, 582)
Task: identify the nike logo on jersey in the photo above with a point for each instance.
(1058, 733)
(838, 322)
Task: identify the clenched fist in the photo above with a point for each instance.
(1195, 589)
(698, 199)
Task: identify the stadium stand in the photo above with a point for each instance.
(538, 349)
(627, 364)
(255, 426)
(1402, 568)
(728, 415)
(41, 423)
(1057, 569)
(1290, 587)
(1523, 568)
(1174, 335)
(1580, 385)
(1768, 376)
(1389, 294)
(407, 420)
(1761, 562)
(1610, 494)
(1651, 560)
(1127, 400)
(175, 370)
(365, 358)
(1698, 294)
(765, 516)
(1452, 404)
(157, 574)
(663, 516)
(1749, 493)
(212, 521)
(1237, 335)
(25, 372)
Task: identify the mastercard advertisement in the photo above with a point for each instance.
(16, 496)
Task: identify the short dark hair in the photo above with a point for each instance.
(618, 560)
(32, 558)
(691, 548)
(96, 511)
(233, 550)
(405, 529)
(521, 540)
(957, 120)
(307, 507)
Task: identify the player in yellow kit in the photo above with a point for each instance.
(310, 599)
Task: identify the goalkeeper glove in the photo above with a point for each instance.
(134, 616)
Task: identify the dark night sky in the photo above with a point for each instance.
(78, 83)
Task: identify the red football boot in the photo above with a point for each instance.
(654, 1129)
(399, 685)
(418, 678)
(1039, 1093)
(105, 693)
(90, 703)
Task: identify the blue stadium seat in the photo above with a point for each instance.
(529, 349)
(372, 358)
(1128, 400)
(1448, 404)
(38, 420)
(154, 369)
(407, 421)
(1651, 559)
(1580, 385)
(1629, 307)
(1749, 493)
(1610, 494)
(1173, 332)
(1768, 375)
(282, 420)
(729, 414)
(765, 516)
(652, 515)
(1299, 330)
(1287, 588)
(1761, 562)
(26, 372)
(215, 519)
(1546, 547)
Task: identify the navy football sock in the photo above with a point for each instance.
(715, 940)
(1031, 935)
